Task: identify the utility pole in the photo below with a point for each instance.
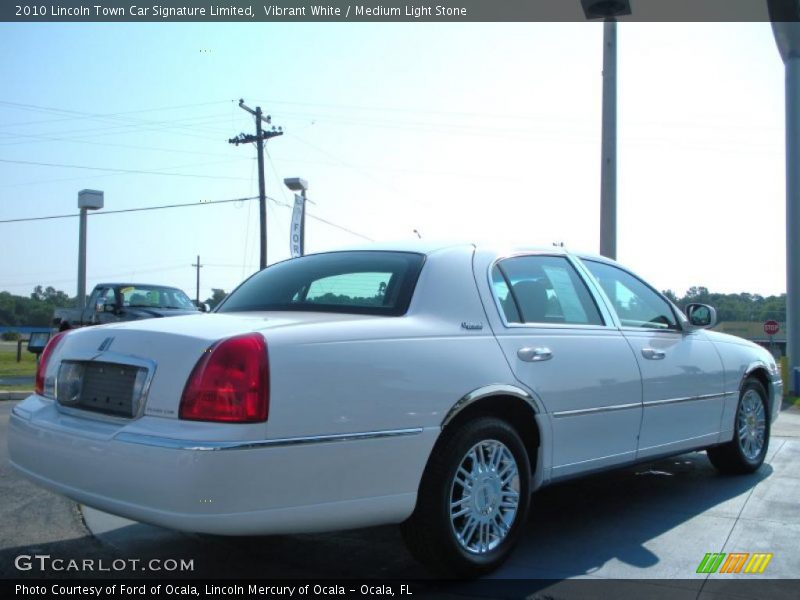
(608, 161)
(786, 29)
(197, 292)
(608, 11)
(259, 138)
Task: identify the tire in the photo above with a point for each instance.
(746, 451)
(478, 457)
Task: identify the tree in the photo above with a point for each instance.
(33, 311)
(735, 307)
(217, 296)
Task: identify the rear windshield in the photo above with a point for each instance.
(378, 283)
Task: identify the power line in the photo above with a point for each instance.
(79, 115)
(185, 205)
(127, 171)
(322, 220)
(128, 210)
(78, 140)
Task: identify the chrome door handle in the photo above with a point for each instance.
(653, 354)
(534, 354)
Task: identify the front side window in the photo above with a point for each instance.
(636, 303)
(369, 282)
(543, 289)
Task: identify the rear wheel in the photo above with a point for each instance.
(746, 451)
(473, 500)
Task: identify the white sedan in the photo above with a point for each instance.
(433, 386)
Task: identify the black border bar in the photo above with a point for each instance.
(285, 11)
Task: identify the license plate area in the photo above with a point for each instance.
(101, 387)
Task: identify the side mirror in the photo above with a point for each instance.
(100, 305)
(112, 308)
(701, 316)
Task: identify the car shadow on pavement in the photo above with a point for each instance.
(654, 520)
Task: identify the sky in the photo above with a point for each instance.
(460, 131)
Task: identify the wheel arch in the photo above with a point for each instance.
(511, 403)
(760, 373)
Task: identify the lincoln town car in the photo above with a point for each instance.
(432, 386)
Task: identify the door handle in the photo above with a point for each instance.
(534, 354)
(653, 354)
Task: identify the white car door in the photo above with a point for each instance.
(682, 373)
(563, 346)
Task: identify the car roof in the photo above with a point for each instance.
(141, 285)
(432, 246)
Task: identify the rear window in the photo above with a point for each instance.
(379, 283)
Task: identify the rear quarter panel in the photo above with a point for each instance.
(382, 373)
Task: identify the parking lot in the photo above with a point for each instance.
(647, 527)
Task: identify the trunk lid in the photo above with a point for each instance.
(170, 348)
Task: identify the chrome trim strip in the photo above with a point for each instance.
(687, 399)
(497, 389)
(15, 412)
(599, 409)
(147, 364)
(586, 411)
(174, 444)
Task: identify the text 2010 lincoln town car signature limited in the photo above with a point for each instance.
(433, 386)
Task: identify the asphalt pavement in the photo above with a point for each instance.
(647, 527)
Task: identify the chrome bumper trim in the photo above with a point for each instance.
(174, 444)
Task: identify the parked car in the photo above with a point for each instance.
(432, 386)
(113, 302)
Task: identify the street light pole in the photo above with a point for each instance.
(82, 261)
(87, 200)
(787, 37)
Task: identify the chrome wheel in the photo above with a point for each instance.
(484, 496)
(751, 425)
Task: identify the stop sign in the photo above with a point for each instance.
(771, 327)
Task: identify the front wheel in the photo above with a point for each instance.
(746, 451)
(473, 500)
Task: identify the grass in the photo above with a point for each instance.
(9, 367)
(16, 388)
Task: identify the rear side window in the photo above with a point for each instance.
(543, 289)
(369, 282)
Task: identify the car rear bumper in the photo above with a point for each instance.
(258, 487)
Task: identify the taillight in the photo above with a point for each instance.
(41, 368)
(230, 383)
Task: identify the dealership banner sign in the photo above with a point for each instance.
(296, 234)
